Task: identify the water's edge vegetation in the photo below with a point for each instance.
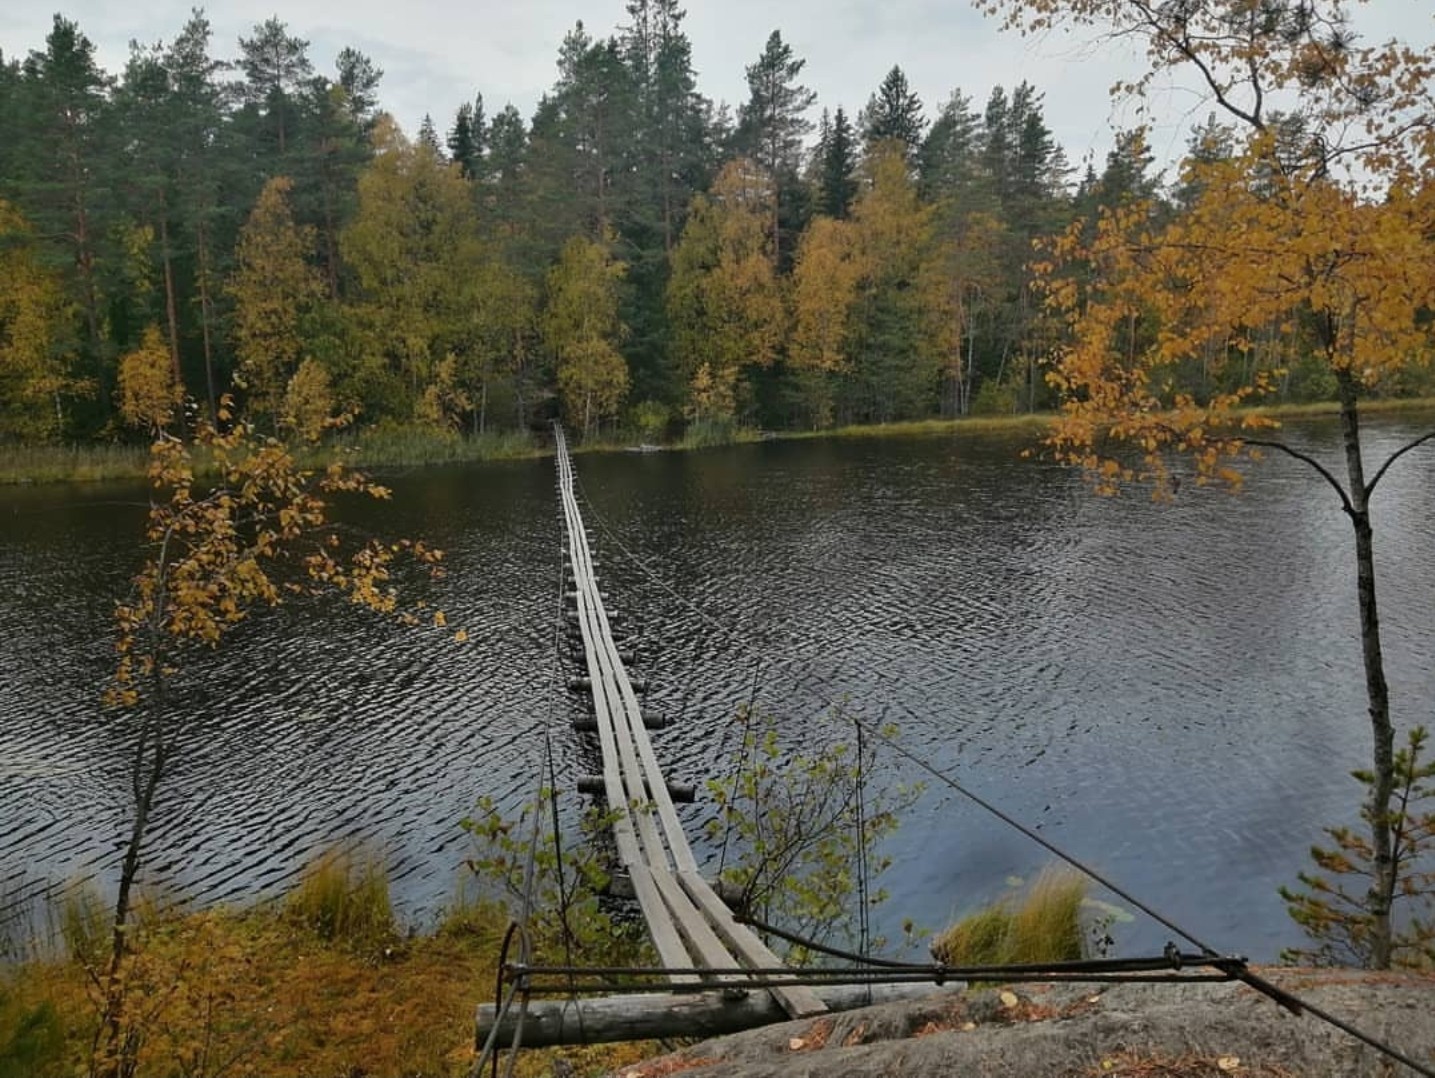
(411, 446)
(326, 980)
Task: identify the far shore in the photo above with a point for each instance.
(408, 448)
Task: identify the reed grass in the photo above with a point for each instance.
(394, 445)
(1044, 925)
(343, 897)
(71, 463)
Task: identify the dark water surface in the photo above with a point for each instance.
(1172, 693)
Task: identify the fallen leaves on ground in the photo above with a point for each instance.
(1129, 1064)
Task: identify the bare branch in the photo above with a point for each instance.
(1307, 459)
(1370, 487)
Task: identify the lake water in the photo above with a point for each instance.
(1172, 693)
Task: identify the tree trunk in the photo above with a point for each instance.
(118, 1058)
(331, 248)
(204, 324)
(171, 313)
(1382, 883)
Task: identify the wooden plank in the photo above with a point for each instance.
(624, 834)
(665, 934)
(798, 1001)
(677, 838)
(692, 924)
(681, 908)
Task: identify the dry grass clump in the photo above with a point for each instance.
(1043, 926)
(344, 898)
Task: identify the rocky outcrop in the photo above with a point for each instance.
(1103, 1031)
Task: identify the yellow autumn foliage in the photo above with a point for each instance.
(724, 299)
(35, 376)
(309, 408)
(581, 329)
(273, 287)
(147, 389)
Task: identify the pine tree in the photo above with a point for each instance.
(65, 101)
(947, 163)
(276, 67)
(198, 167)
(359, 79)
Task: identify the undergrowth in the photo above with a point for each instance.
(301, 987)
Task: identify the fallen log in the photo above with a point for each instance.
(551, 1023)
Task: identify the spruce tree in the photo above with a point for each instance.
(462, 146)
(837, 176)
(894, 112)
(428, 137)
(773, 122)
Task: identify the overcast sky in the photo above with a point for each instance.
(438, 53)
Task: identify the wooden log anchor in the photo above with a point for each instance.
(548, 1023)
(588, 724)
(682, 793)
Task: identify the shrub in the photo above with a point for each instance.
(805, 831)
(1334, 906)
(31, 1038)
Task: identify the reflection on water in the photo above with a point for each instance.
(1171, 692)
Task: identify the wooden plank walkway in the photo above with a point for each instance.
(691, 927)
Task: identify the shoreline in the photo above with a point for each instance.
(53, 464)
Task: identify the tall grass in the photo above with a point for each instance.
(344, 898)
(84, 923)
(71, 463)
(1045, 925)
(392, 444)
(706, 433)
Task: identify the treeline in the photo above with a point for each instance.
(196, 227)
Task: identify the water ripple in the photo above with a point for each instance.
(1172, 692)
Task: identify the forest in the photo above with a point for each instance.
(632, 256)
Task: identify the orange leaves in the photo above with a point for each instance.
(262, 532)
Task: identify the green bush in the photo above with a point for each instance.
(995, 399)
(649, 420)
(803, 829)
